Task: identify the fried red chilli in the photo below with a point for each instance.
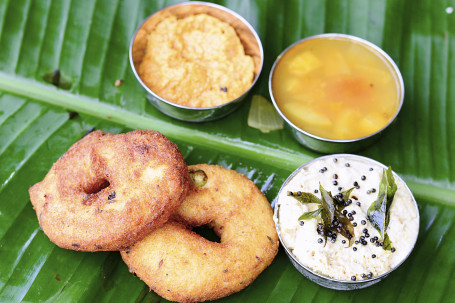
(180, 265)
(109, 191)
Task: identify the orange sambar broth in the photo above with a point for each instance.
(335, 88)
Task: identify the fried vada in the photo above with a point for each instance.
(109, 191)
(180, 265)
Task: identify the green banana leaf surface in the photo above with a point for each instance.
(42, 115)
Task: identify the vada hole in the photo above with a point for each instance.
(207, 233)
(97, 187)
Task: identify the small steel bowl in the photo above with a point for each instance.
(248, 36)
(325, 145)
(316, 277)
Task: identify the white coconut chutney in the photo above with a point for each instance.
(338, 260)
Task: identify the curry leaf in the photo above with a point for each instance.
(304, 198)
(387, 243)
(329, 210)
(379, 211)
(311, 214)
(328, 205)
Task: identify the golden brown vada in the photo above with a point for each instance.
(108, 191)
(180, 265)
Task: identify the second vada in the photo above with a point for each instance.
(180, 265)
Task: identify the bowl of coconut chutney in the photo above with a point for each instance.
(346, 221)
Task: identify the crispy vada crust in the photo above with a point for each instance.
(108, 191)
(180, 265)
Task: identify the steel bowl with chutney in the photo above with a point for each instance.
(349, 252)
(196, 61)
(336, 92)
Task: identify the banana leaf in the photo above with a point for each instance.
(42, 113)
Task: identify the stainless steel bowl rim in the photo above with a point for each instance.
(291, 255)
(376, 48)
(250, 27)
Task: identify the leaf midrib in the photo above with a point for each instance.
(426, 190)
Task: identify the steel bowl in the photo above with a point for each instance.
(314, 276)
(248, 36)
(325, 145)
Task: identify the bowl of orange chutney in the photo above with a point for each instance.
(336, 92)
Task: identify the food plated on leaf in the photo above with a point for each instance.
(346, 221)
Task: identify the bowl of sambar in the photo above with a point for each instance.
(336, 92)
